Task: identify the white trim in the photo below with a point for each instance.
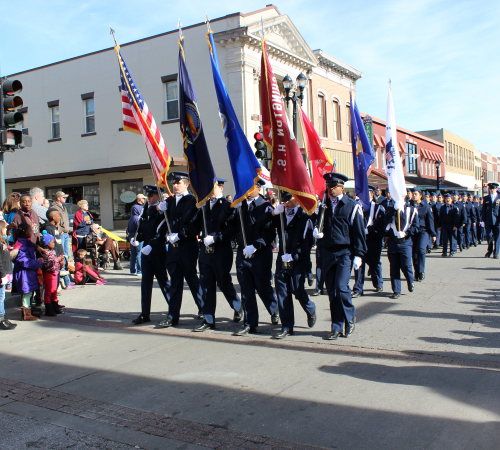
(321, 91)
(336, 97)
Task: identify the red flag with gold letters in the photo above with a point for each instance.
(288, 171)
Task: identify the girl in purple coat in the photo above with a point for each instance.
(25, 268)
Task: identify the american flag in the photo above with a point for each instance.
(138, 119)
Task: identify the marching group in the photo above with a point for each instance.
(176, 235)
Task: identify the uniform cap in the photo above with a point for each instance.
(448, 195)
(285, 196)
(334, 179)
(372, 188)
(221, 181)
(493, 185)
(175, 177)
(150, 189)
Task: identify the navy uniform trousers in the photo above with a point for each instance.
(215, 271)
(320, 280)
(337, 273)
(181, 264)
(372, 258)
(400, 259)
(255, 274)
(153, 265)
(288, 283)
(449, 236)
(493, 238)
(420, 242)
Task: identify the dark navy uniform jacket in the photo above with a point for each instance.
(476, 213)
(386, 203)
(490, 211)
(469, 213)
(220, 225)
(426, 219)
(298, 233)
(153, 229)
(408, 216)
(376, 227)
(449, 216)
(462, 218)
(344, 229)
(436, 208)
(183, 218)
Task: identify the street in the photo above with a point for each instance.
(419, 372)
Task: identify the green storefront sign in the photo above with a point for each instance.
(368, 123)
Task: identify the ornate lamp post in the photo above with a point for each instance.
(301, 83)
(438, 165)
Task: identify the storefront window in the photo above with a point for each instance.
(76, 193)
(124, 197)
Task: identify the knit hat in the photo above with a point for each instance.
(46, 238)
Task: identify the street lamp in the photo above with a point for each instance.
(438, 165)
(301, 83)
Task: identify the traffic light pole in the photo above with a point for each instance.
(2, 178)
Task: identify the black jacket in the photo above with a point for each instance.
(183, 218)
(220, 221)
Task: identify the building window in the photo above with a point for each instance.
(89, 116)
(124, 197)
(382, 156)
(171, 100)
(348, 121)
(322, 116)
(336, 121)
(375, 160)
(55, 128)
(412, 158)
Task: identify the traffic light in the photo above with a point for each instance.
(260, 146)
(11, 102)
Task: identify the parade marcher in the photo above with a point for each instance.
(133, 223)
(388, 201)
(216, 258)
(409, 197)
(254, 260)
(152, 231)
(423, 234)
(481, 231)
(470, 216)
(379, 198)
(458, 203)
(476, 230)
(183, 247)
(436, 208)
(290, 281)
(400, 227)
(374, 218)
(491, 220)
(344, 246)
(449, 221)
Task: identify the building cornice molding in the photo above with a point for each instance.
(330, 63)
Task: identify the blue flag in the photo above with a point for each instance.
(245, 167)
(201, 171)
(362, 155)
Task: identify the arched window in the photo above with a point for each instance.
(348, 121)
(336, 120)
(322, 115)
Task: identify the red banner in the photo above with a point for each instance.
(320, 161)
(288, 171)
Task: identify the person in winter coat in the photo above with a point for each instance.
(85, 273)
(51, 267)
(5, 276)
(25, 269)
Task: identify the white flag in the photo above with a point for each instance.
(393, 166)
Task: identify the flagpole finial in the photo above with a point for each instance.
(262, 27)
(390, 86)
(207, 21)
(112, 33)
(179, 25)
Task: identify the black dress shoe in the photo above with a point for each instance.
(356, 294)
(317, 292)
(422, 276)
(395, 295)
(168, 323)
(283, 334)
(452, 254)
(246, 330)
(333, 335)
(311, 319)
(411, 287)
(309, 281)
(200, 316)
(349, 327)
(417, 277)
(475, 245)
(495, 256)
(141, 319)
(238, 315)
(204, 327)
(428, 250)
(444, 254)
(275, 318)
(379, 289)
(487, 255)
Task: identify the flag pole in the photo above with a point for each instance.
(285, 265)
(323, 205)
(208, 248)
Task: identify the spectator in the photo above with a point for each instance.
(85, 271)
(37, 199)
(81, 225)
(105, 243)
(10, 208)
(46, 203)
(5, 276)
(58, 205)
(28, 216)
(51, 267)
(133, 223)
(25, 268)
(229, 198)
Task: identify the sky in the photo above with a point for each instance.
(443, 57)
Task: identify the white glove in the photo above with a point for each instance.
(400, 234)
(162, 206)
(4, 281)
(317, 234)
(173, 238)
(146, 250)
(356, 263)
(287, 257)
(134, 242)
(238, 205)
(482, 224)
(279, 209)
(249, 250)
(366, 230)
(209, 240)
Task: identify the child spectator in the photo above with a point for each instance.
(5, 275)
(25, 268)
(85, 271)
(51, 266)
(81, 225)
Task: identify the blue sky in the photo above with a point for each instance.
(443, 57)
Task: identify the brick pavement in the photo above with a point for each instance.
(209, 436)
